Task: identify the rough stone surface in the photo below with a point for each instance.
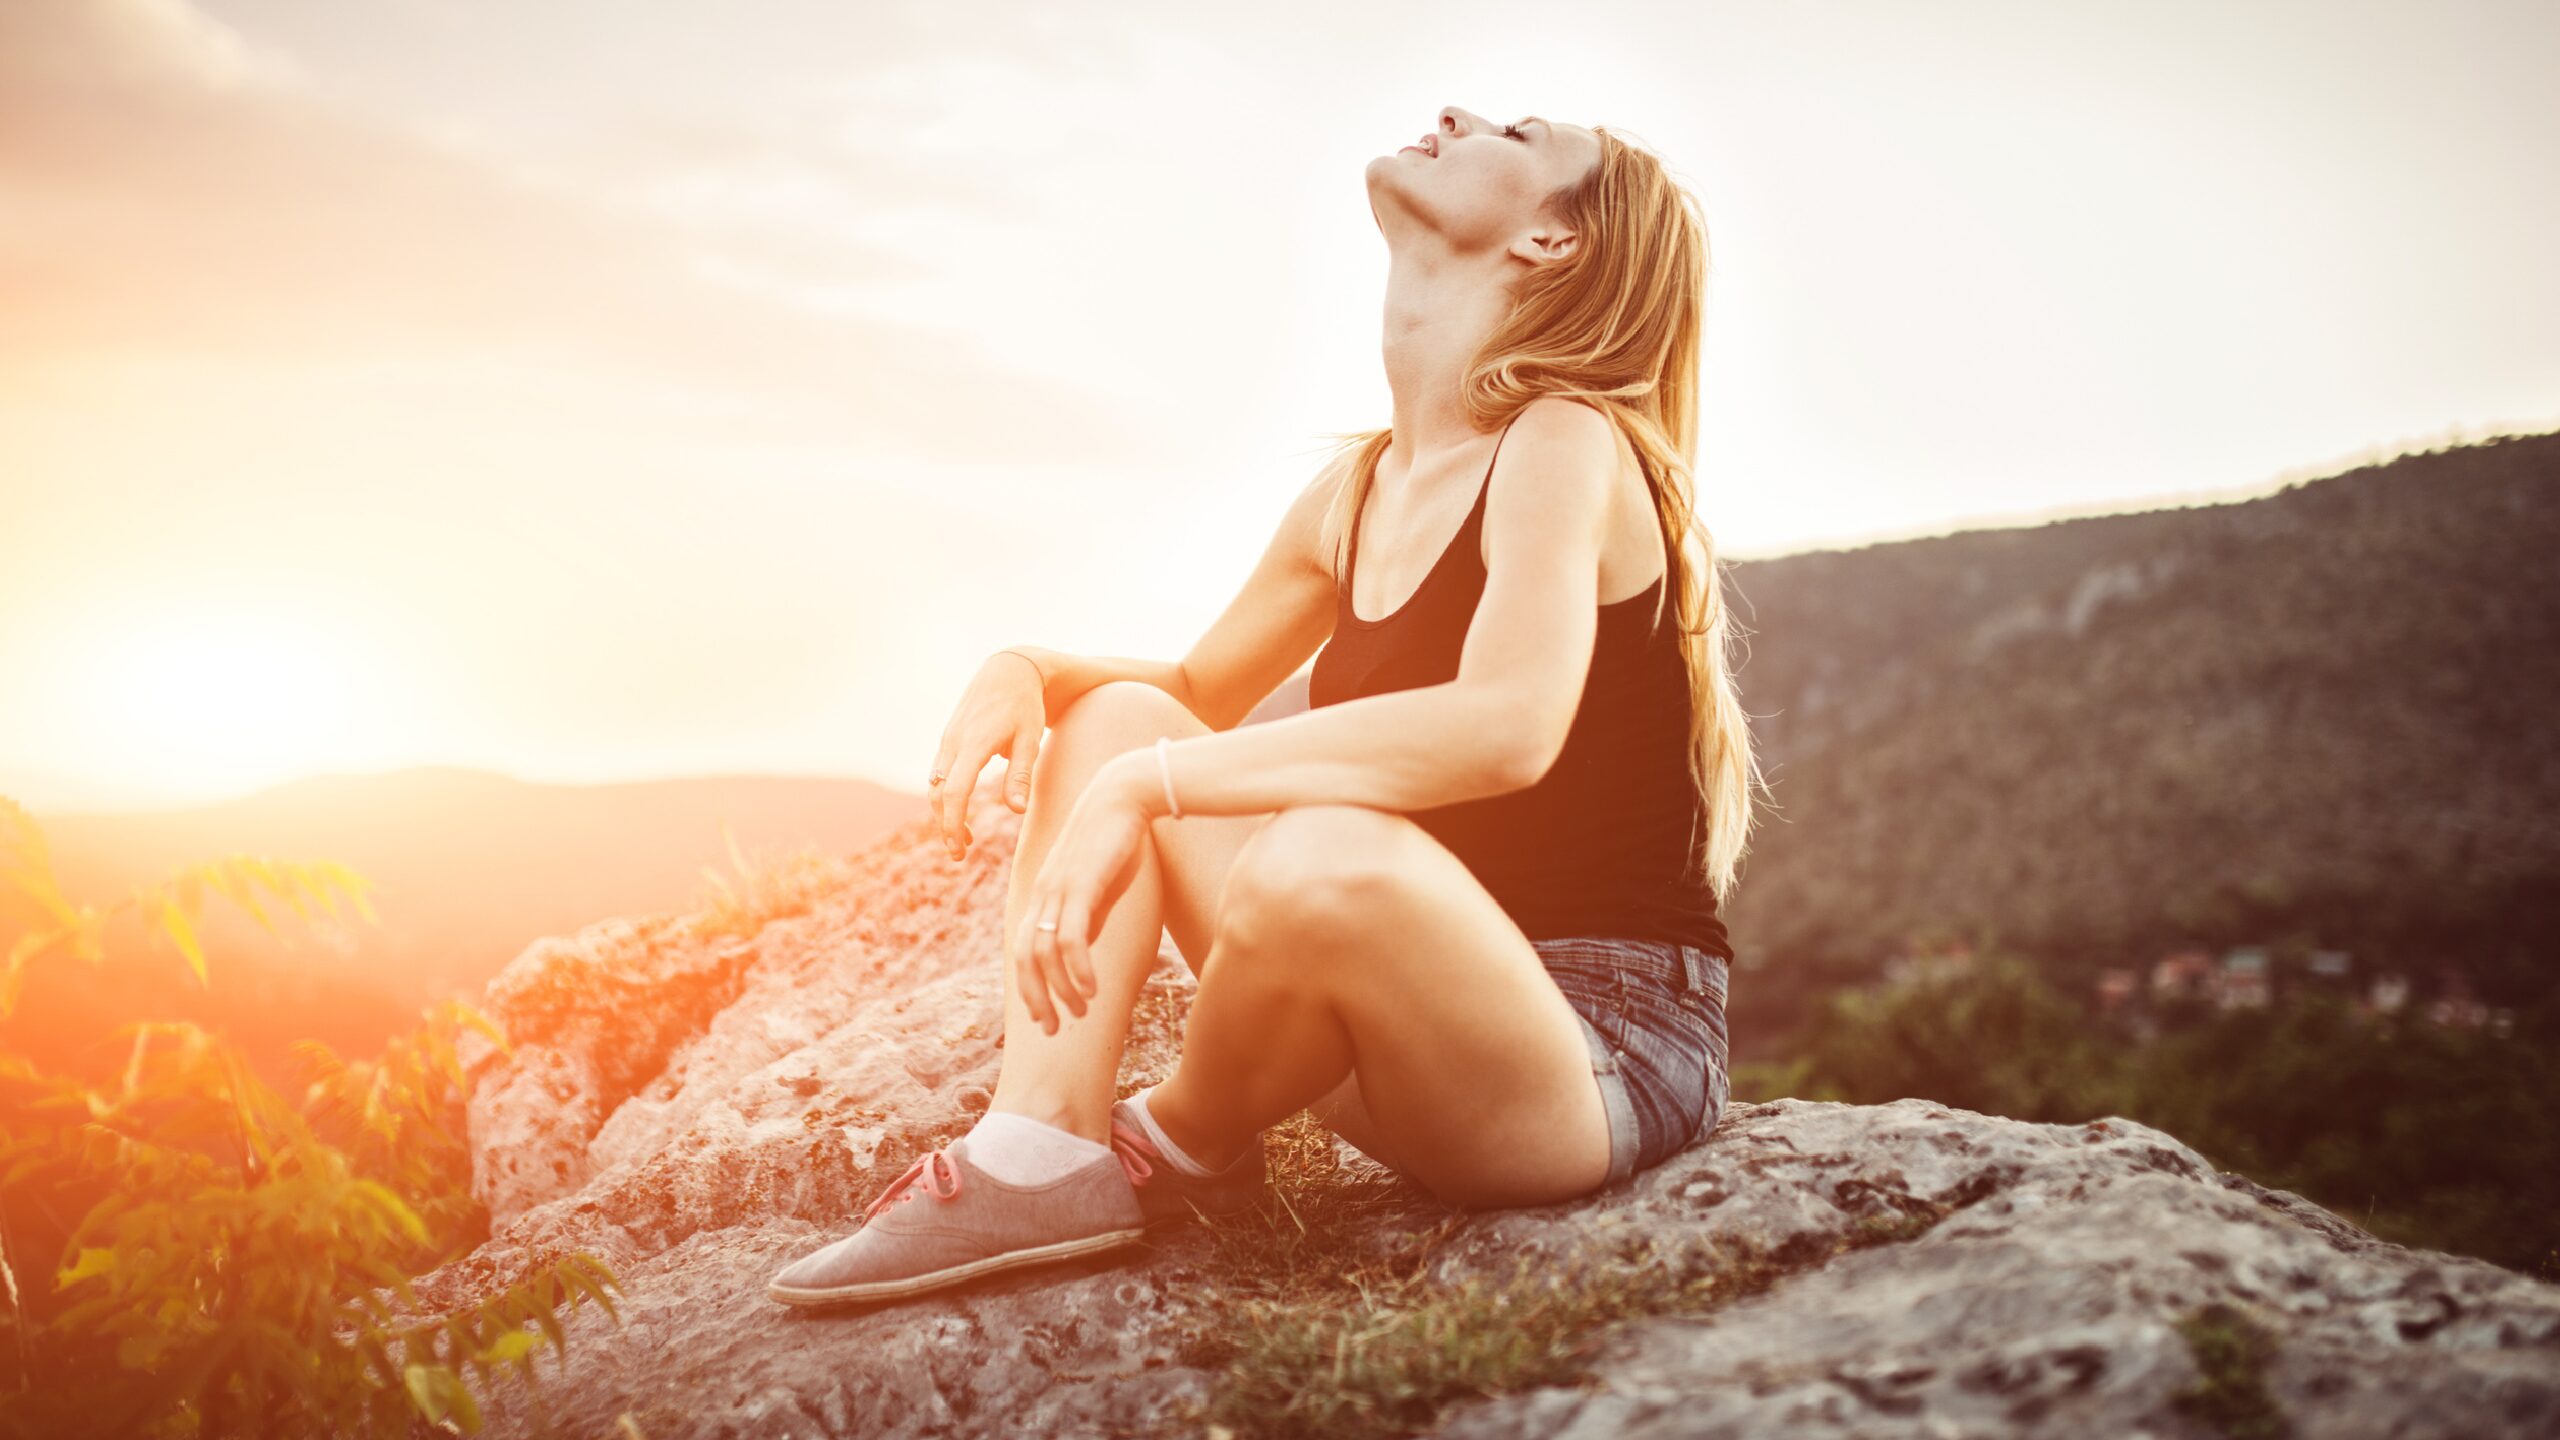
(698, 1110)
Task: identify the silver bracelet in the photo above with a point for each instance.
(1164, 766)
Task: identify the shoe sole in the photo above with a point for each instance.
(952, 1275)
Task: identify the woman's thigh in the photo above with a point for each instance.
(1471, 1069)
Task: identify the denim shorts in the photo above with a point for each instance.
(1653, 1012)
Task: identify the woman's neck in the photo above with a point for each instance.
(1439, 310)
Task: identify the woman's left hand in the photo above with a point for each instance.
(1088, 868)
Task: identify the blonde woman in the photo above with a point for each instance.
(1466, 907)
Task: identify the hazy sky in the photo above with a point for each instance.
(597, 390)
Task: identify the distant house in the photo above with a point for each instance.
(1923, 965)
(2458, 1005)
(2116, 987)
(2184, 975)
(2459, 1010)
(2244, 978)
(2387, 993)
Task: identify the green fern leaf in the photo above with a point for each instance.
(90, 1262)
(174, 920)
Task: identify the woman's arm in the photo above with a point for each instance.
(1405, 750)
(1064, 677)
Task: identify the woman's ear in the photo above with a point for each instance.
(1547, 246)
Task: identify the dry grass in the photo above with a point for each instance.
(767, 887)
(1329, 1331)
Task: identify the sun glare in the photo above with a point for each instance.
(213, 703)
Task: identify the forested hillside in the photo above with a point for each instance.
(2319, 716)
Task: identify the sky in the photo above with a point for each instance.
(604, 391)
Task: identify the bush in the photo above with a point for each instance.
(222, 1262)
(2426, 1134)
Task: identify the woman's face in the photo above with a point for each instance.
(1477, 183)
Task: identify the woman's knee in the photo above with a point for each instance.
(1115, 716)
(1313, 873)
(1102, 723)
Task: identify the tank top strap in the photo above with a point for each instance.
(1484, 487)
(1466, 527)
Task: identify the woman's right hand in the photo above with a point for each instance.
(1003, 712)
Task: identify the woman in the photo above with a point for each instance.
(1466, 907)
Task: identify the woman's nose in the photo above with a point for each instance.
(1451, 120)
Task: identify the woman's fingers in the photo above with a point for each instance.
(1075, 920)
(1017, 779)
(940, 777)
(1026, 972)
(951, 798)
(1053, 968)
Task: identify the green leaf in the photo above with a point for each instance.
(549, 1320)
(267, 874)
(466, 1410)
(481, 1023)
(35, 943)
(423, 1392)
(369, 1345)
(174, 920)
(306, 879)
(587, 1290)
(397, 1208)
(353, 884)
(39, 886)
(594, 1278)
(232, 877)
(91, 1262)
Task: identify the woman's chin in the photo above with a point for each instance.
(1395, 169)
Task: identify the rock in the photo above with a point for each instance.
(698, 1110)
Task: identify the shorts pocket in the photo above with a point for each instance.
(1666, 1014)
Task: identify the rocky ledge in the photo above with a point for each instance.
(697, 1108)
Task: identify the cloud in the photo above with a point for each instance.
(175, 193)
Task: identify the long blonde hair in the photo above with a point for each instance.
(1618, 326)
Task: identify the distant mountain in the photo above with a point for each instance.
(2322, 715)
(469, 867)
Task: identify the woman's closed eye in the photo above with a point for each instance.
(1514, 132)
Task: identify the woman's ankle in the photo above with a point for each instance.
(1090, 1122)
(1207, 1149)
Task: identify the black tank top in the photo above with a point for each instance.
(1598, 845)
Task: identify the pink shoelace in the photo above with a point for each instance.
(932, 1165)
(1135, 1151)
(1131, 1148)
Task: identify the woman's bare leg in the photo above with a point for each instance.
(1297, 894)
(1350, 942)
(1069, 1079)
